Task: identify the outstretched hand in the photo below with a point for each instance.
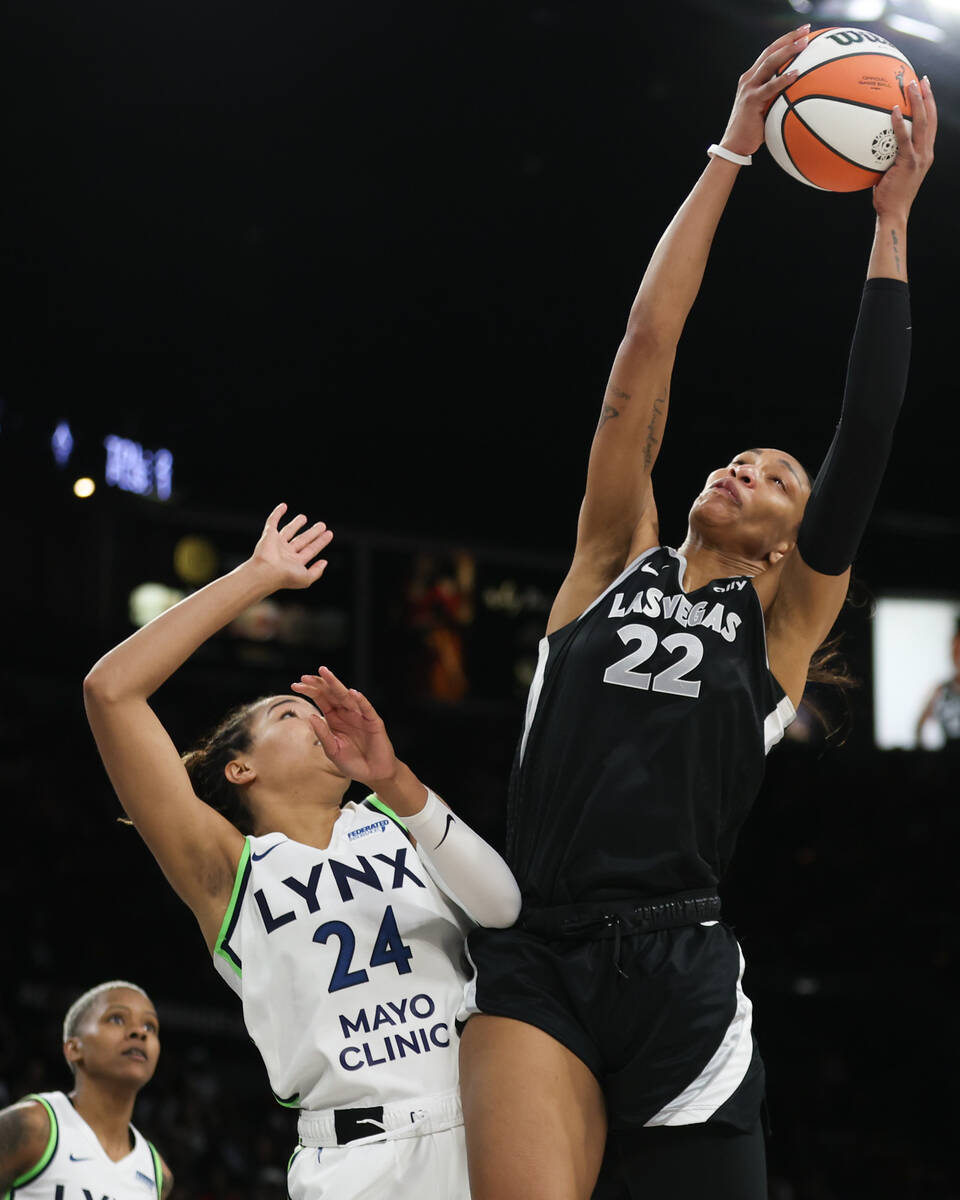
(350, 731)
(896, 191)
(288, 551)
(757, 89)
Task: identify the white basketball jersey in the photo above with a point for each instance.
(350, 965)
(75, 1166)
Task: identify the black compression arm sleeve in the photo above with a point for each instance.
(847, 484)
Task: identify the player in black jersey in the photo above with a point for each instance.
(615, 1004)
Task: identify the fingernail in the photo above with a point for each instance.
(804, 27)
(927, 78)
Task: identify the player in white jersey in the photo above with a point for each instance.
(55, 1146)
(342, 935)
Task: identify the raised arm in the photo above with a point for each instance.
(813, 584)
(196, 847)
(461, 863)
(618, 516)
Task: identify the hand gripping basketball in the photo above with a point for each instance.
(898, 187)
(758, 87)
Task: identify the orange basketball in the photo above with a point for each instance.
(831, 127)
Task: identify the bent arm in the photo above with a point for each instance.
(24, 1133)
(618, 517)
(197, 848)
(460, 862)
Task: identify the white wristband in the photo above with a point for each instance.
(742, 160)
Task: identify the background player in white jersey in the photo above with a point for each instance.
(55, 1146)
(663, 679)
(343, 936)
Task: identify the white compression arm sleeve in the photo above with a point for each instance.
(461, 863)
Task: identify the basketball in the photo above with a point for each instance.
(831, 127)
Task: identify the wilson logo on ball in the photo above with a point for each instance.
(831, 128)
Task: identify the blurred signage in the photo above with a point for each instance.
(131, 468)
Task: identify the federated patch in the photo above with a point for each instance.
(366, 830)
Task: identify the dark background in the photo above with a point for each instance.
(374, 260)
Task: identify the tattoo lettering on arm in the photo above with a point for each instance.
(896, 250)
(653, 429)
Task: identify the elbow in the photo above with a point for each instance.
(504, 914)
(98, 688)
(648, 332)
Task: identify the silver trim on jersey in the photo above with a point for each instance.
(722, 1075)
(775, 723)
(533, 696)
(622, 576)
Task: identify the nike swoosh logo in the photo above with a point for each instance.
(445, 832)
(650, 570)
(75, 1158)
(146, 1178)
(269, 850)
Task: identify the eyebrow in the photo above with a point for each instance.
(277, 703)
(783, 462)
(126, 1008)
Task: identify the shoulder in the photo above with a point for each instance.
(26, 1130)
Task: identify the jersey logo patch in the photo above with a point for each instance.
(269, 850)
(146, 1179)
(650, 570)
(366, 830)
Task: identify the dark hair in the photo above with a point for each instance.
(829, 669)
(206, 762)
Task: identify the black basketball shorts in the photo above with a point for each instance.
(659, 1018)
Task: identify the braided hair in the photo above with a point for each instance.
(206, 764)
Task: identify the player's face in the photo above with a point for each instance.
(119, 1040)
(757, 500)
(285, 744)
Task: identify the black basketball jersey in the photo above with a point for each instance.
(643, 746)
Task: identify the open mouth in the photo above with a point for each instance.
(731, 489)
(136, 1053)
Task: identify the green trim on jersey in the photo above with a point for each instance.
(49, 1150)
(157, 1168)
(292, 1102)
(292, 1157)
(375, 800)
(228, 915)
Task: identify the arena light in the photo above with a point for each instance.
(149, 600)
(918, 29)
(851, 10)
(61, 443)
(84, 487)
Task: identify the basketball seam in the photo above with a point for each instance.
(783, 139)
(843, 100)
(843, 58)
(832, 149)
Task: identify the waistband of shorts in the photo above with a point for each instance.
(388, 1122)
(619, 918)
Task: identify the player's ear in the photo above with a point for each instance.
(73, 1050)
(779, 552)
(240, 771)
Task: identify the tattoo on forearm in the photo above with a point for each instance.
(653, 429)
(608, 412)
(896, 250)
